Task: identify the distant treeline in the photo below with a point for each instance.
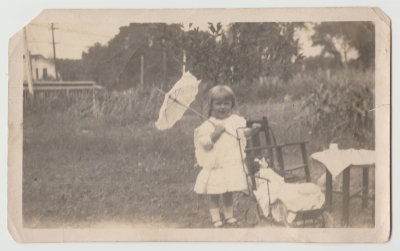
(239, 54)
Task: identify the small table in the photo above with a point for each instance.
(337, 161)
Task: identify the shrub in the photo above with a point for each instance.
(341, 110)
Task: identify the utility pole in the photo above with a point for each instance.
(141, 70)
(54, 50)
(28, 65)
(164, 66)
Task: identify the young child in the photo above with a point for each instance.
(218, 153)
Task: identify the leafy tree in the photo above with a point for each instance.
(71, 69)
(117, 65)
(95, 62)
(245, 52)
(202, 61)
(337, 37)
(241, 54)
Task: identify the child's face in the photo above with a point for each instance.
(221, 107)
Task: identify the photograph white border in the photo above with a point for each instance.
(382, 77)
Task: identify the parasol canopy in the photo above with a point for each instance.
(177, 101)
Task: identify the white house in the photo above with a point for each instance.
(42, 68)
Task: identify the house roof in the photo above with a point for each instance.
(37, 56)
(40, 56)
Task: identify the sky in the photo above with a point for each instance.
(72, 38)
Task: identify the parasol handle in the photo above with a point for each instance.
(179, 103)
(193, 110)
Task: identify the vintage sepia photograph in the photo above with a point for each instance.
(199, 125)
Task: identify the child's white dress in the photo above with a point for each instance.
(222, 165)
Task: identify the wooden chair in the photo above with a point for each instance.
(264, 144)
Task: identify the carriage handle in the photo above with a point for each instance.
(246, 171)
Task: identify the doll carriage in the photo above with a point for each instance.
(264, 145)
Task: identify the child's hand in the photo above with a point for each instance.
(219, 129)
(256, 126)
(253, 130)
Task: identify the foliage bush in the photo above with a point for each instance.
(343, 109)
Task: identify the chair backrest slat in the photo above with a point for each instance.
(265, 145)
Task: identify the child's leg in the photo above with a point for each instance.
(213, 203)
(227, 199)
(213, 200)
(228, 207)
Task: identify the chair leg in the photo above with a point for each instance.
(365, 187)
(346, 196)
(305, 161)
(328, 190)
(373, 211)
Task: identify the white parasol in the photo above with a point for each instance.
(177, 101)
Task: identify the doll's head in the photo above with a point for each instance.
(221, 101)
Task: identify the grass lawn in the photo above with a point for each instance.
(92, 172)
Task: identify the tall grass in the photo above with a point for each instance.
(129, 106)
(341, 109)
(335, 106)
(332, 107)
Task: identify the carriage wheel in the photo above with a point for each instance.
(279, 214)
(240, 204)
(246, 209)
(252, 215)
(326, 220)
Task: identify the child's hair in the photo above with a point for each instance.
(222, 91)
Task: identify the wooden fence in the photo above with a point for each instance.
(46, 89)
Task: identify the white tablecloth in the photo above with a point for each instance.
(336, 160)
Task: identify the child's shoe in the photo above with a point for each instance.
(228, 212)
(218, 224)
(231, 221)
(215, 218)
